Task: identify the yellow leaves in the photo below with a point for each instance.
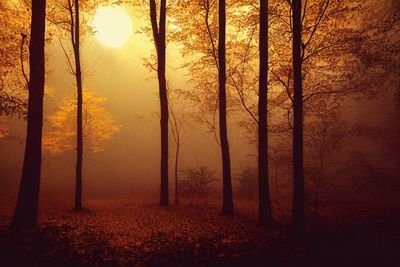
(98, 125)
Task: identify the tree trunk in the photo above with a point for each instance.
(159, 40)
(318, 183)
(298, 172)
(176, 170)
(79, 126)
(25, 215)
(265, 211)
(227, 207)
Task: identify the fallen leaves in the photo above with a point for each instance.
(140, 233)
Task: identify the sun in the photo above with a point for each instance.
(112, 25)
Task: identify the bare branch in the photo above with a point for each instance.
(285, 85)
(22, 59)
(315, 27)
(72, 69)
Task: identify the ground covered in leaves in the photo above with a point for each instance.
(137, 232)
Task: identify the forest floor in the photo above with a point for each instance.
(137, 232)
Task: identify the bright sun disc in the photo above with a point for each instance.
(112, 25)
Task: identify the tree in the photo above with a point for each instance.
(25, 215)
(159, 32)
(265, 211)
(227, 198)
(66, 16)
(298, 171)
(324, 134)
(97, 125)
(197, 182)
(176, 120)
(75, 38)
(324, 65)
(199, 39)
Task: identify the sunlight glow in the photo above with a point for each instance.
(112, 25)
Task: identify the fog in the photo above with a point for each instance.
(129, 161)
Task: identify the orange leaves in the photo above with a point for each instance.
(98, 125)
(13, 51)
(137, 232)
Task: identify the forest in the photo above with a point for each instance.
(200, 133)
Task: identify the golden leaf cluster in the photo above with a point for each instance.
(98, 125)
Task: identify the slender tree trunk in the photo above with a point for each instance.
(176, 170)
(318, 183)
(265, 211)
(164, 200)
(79, 126)
(227, 207)
(159, 40)
(298, 172)
(25, 215)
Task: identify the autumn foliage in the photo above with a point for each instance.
(98, 125)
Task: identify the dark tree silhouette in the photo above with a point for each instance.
(25, 215)
(78, 75)
(265, 211)
(227, 208)
(298, 171)
(159, 41)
